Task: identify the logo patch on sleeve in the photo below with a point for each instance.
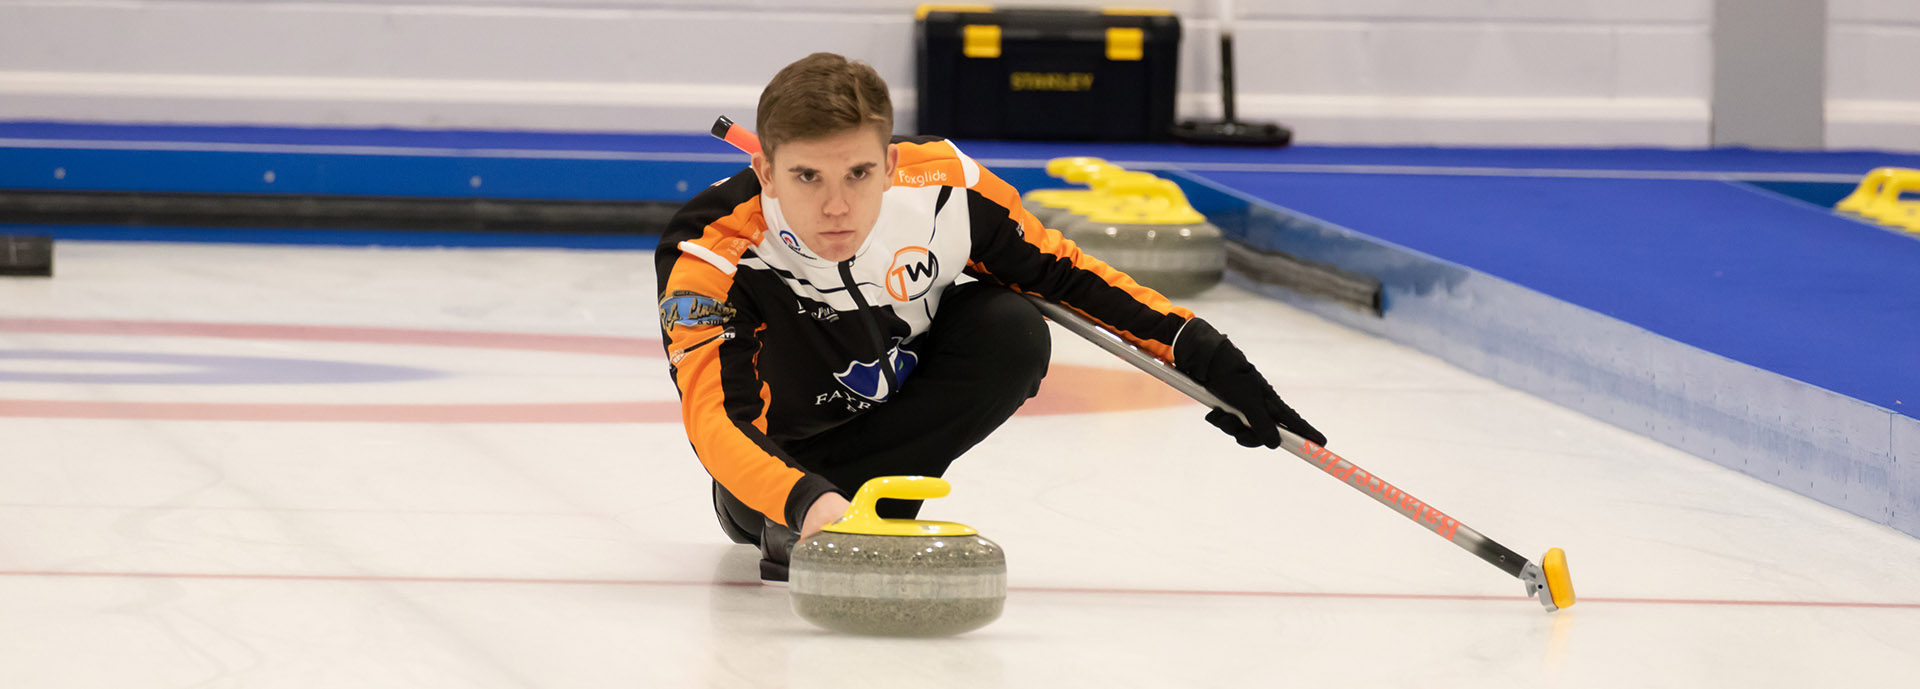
(692, 310)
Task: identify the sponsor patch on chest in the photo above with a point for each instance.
(913, 272)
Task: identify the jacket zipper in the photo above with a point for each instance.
(873, 328)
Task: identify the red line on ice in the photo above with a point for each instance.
(1584, 600)
(1069, 389)
(536, 342)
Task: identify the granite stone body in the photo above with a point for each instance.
(1051, 216)
(1175, 259)
(898, 585)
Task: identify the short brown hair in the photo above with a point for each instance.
(821, 95)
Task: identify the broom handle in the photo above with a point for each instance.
(1321, 458)
(1226, 59)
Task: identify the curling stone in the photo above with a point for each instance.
(1158, 239)
(1110, 192)
(897, 577)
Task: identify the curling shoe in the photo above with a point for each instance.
(776, 550)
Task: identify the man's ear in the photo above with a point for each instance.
(763, 169)
(893, 163)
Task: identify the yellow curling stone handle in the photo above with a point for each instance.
(862, 519)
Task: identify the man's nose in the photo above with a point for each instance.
(836, 203)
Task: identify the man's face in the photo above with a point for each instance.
(830, 187)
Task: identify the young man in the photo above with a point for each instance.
(821, 332)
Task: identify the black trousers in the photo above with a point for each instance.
(983, 357)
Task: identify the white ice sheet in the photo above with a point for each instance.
(1145, 548)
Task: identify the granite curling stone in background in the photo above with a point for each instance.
(1157, 237)
(898, 577)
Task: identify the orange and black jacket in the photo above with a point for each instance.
(769, 343)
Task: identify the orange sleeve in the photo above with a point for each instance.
(712, 346)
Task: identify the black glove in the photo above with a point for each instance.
(1206, 356)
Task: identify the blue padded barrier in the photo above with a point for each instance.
(1842, 451)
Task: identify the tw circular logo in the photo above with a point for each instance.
(913, 272)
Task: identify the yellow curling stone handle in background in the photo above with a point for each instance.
(1878, 198)
(862, 519)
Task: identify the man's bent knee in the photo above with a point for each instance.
(1021, 341)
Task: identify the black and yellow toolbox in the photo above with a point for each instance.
(1042, 73)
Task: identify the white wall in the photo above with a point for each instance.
(1577, 72)
(1873, 74)
(1482, 71)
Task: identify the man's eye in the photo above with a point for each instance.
(858, 174)
(808, 176)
